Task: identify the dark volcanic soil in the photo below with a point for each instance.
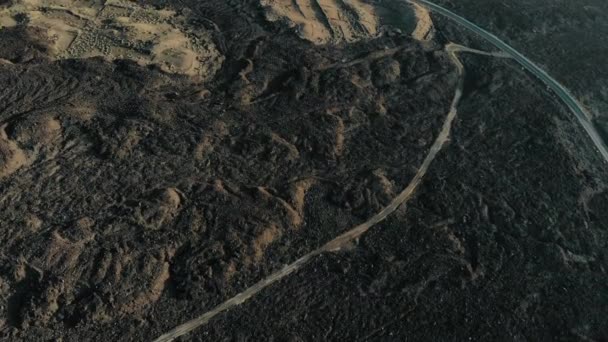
(568, 38)
(133, 200)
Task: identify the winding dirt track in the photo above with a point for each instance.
(579, 111)
(346, 238)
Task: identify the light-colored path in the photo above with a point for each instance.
(346, 238)
(583, 117)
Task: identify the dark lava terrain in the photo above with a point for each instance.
(133, 199)
(568, 38)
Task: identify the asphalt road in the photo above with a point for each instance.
(581, 114)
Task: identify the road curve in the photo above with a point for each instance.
(581, 114)
(343, 240)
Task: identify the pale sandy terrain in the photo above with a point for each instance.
(425, 30)
(117, 29)
(338, 21)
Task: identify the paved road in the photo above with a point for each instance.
(581, 114)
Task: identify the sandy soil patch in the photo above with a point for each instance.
(338, 21)
(117, 29)
(425, 30)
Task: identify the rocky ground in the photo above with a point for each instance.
(135, 196)
(569, 39)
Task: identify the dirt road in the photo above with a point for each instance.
(349, 236)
